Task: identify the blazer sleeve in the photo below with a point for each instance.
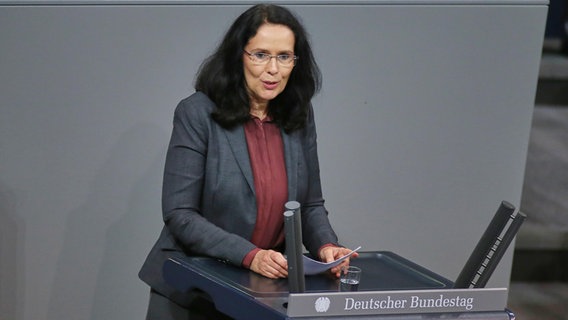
(317, 230)
(183, 186)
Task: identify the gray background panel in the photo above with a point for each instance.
(423, 127)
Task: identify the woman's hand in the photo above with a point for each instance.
(331, 253)
(270, 264)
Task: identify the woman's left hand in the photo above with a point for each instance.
(332, 253)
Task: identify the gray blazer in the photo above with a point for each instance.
(208, 196)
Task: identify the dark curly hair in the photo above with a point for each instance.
(221, 76)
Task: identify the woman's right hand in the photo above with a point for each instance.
(270, 264)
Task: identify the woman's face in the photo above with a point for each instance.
(266, 81)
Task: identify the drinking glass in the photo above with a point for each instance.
(349, 279)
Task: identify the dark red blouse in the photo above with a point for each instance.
(266, 152)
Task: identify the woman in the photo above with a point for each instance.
(242, 146)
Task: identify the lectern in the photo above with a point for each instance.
(392, 287)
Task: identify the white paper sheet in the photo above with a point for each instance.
(312, 266)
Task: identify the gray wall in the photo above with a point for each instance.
(423, 128)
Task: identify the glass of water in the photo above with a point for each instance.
(349, 279)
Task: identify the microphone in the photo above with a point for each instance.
(293, 233)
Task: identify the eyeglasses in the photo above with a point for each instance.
(261, 58)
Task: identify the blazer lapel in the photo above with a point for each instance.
(238, 145)
(291, 150)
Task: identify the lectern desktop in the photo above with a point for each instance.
(390, 286)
